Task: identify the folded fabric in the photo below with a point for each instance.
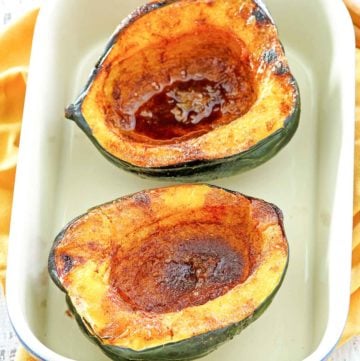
(15, 46)
(353, 323)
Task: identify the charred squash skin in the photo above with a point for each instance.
(265, 217)
(190, 162)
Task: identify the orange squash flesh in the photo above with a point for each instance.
(165, 265)
(191, 89)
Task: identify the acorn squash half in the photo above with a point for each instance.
(191, 89)
(170, 273)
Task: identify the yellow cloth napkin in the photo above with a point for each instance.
(353, 323)
(15, 46)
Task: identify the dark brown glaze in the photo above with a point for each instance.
(180, 87)
(260, 16)
(69, 314)
(67, 263)
(191, 106)
(168, 274)
(270, 56)
(281, 69)
(142, 199)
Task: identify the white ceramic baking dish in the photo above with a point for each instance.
(61, 175)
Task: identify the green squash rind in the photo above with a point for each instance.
(185, 350)
(199, 170)
(204, 170)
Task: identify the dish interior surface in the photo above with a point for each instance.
(301, 180)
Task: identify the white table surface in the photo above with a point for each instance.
(9, 10)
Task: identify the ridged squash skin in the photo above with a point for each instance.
(242, 28)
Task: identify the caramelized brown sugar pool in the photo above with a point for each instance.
(187, 265)
(180, 87)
